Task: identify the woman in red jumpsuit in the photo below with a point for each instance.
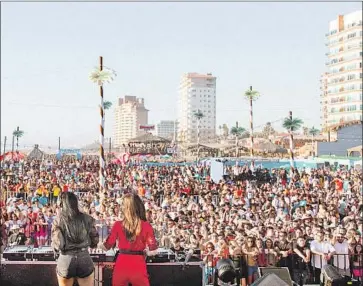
(134, 234)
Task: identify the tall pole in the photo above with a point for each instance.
(251, 124)
(17, 139)
(110, 147)
(12, 147)
(102, 136)
(198, 138)
(4, 144)
(4, 148)
(312, 144)
(59, 143)
(237, 139)
(291, 145)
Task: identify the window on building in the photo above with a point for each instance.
(351, 108)
(352, 35)
(351, 76)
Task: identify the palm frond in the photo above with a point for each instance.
(292, 124)
(102, 76)
(18, 133)
(313, 131)
(107, 105)
(237, 131)
(252, 94)
(198, 114)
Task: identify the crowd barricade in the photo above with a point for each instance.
(301, 272)
(349, 265)
(195, 198)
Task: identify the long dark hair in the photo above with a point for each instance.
(72, 221)
(133, 210)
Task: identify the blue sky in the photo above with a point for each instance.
(49, 49)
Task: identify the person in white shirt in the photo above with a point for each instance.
(341, 260)
(322, 252)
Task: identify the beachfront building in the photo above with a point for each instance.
(342, 85)
(130, 114)
(197, 92)
(166, 129)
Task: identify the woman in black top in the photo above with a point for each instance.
(300, 261)
(73, 232)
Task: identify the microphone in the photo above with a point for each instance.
(187, 258)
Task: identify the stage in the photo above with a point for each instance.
(43, 273)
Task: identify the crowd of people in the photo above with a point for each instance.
(301, 220)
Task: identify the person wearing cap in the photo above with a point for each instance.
(16, 238)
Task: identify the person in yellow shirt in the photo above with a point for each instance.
(42, 190)
(39, 191)
(56, 191)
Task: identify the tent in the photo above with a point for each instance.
(268, 147)
(36, 153)
(15, 156)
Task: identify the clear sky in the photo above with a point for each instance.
(49, 49)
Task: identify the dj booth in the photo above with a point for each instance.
(22, 267)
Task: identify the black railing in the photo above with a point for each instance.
(301, 272)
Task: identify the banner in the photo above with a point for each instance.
(147, 127)
(216, 171)
(62, 152)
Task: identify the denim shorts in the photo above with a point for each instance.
(76, 264)
(252, 270)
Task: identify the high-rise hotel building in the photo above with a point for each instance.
(342, 84)
(197, 92)
(130, 113)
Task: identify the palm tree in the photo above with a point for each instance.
(198, 115)
(291, 125)
(313, 132)
(251, 95)
(18, 133)
(237, 132)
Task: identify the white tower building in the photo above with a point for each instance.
(130, 113)
(197, 92)
(343, 99)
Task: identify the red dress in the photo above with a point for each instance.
(131, 268)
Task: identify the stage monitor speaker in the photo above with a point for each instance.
(281, 272)
(269, 279)
(332, 277)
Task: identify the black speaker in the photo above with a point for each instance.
(269, 279)
(281, 272)
(332, 277)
